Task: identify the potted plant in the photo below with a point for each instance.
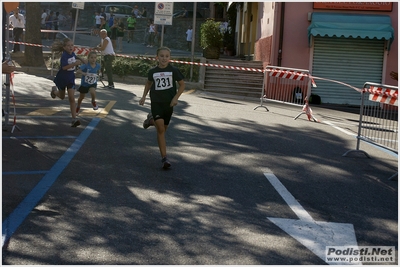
(211, 38)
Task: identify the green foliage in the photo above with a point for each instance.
(185, 69)
(132, 67)
(140, 67)
(210, 34)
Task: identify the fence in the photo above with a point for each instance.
(378, 123)
(285, 85)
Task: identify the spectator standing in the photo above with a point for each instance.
(49, 24)
(113, 35)
(43, 22)
(120, 34)
(136, 12)
(152, 33)
(97, 21)
(73, 16)
(56, 24)
(131, 27)
(103, 14)
(189, 34)
(146, 33)
(158, 34)
(43, 19)
(17, 22)
(108, 54)
(104, 25)
(144, 12)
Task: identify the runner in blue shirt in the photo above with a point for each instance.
(89, 73)
(65, 78)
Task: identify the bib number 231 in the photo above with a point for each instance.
(163, 82)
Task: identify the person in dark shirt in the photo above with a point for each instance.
(161, 82)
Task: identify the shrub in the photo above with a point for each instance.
(210, 34)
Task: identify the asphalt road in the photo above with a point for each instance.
(97, 194)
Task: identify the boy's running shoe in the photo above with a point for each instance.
(95, 106)
(52, 93)
(77, 109)
(165, 163)
(149, 121)
(75, 123)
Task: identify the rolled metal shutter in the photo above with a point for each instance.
(353, 61)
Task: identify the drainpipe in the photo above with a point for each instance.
(281, 34)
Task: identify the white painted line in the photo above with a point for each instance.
(315, 236)
(340, 129)
(289, 199)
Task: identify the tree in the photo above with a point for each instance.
(33, 54)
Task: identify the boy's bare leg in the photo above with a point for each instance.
(161, 129)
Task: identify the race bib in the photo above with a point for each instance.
(90, 78)
(163, 80)
(71, 60)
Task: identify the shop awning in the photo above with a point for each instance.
(351, 25)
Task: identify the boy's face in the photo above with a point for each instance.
(163, 57)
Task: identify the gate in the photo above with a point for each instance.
(378, 123)
(285, 85)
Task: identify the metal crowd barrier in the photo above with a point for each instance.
(285, 85)
(378, 123)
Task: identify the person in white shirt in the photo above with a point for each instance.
(17, 22)
(107, 51)
(189, 34)
(43, 21)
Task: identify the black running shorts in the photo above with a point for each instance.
(162, 111)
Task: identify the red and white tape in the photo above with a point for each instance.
(383, 95)
(286, 74)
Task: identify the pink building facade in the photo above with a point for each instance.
(350, 42)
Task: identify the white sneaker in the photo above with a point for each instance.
(95, 106)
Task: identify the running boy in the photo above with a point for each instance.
(89, 73)
(65, 78)
(161, 82)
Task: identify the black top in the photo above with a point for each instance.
(164, 83)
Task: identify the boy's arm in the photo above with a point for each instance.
(146, 90)
(181, 88)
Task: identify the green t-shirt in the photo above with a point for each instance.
(131, 22)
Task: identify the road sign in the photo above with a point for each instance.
(162, 20)
(78, 5)
(163, 8)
